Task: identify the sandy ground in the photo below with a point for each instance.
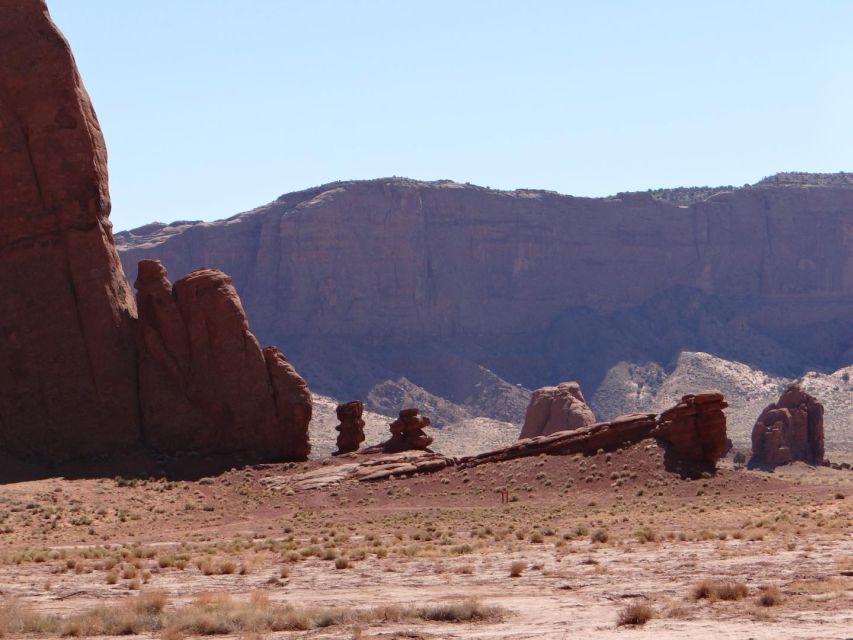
(596, 535)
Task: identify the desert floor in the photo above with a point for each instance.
(249, 554)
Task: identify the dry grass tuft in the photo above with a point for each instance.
(635, 615)
(711, 590)
(769, 596)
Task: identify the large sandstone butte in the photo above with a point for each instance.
(67, 358)
(788, 430)
(555, 409)
(79, 375)
(531, 286)
(693, 432)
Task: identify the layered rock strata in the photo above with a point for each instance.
(407, 434)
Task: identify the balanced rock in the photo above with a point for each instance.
(407, 434)
(788, 430)
(67, 360)
(351, 427)
(205, 383)
(553, 409)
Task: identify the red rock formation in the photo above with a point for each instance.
(789, 430)
(695, 428)
(67, 363)
(204, 381)
(407, 433)
(553, 409)
(351, 427)
(68, 338)
(694, 432)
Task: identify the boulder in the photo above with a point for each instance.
(790, 429)
(351, 427)
(67, 358)
(205, 384)
(553, 409)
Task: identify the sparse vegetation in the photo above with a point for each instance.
(726, 590)
(635, 615)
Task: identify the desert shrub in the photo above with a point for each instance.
(769, 596)
(635, 615)
(600, 535)
(710, 590)
(469, 610)
(517, 568)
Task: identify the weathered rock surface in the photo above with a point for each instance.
(695, 428)
(79, 376)
(351, 427)
(789, 430)
(527, 284)
(694, 432)
(205, 383)
(382, 467)
(553, 409)
(67, 361)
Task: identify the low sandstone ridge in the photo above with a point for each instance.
(694, 431)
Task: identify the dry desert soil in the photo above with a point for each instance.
(603, 546)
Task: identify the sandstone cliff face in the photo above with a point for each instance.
(530, 285)
(205, 383)
(554, 409)
(67, 364)
(788, 430)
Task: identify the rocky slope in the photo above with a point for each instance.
(393, 288)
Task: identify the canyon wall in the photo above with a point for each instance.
(385, 279)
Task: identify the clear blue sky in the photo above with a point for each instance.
(212, 107)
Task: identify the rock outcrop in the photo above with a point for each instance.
(695, 428)
(79, 375)
(407, 434)
(205, 384)
(67, 361)
(789, 430)
(351, 427)
(694, 432)
(553, 409)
